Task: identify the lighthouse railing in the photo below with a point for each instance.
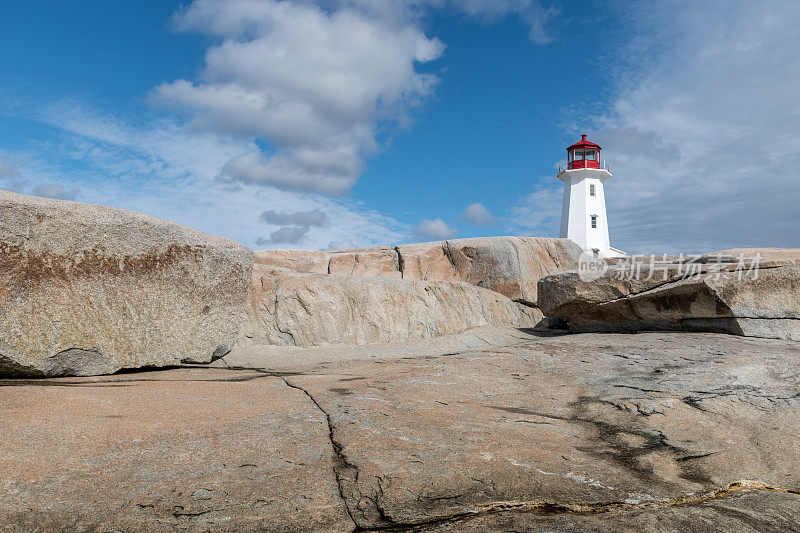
(562, 167)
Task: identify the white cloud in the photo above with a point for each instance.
(302, 170)
(292, 98)
(436, 229)
(285, 235)
(317, 81)
(703, 133)
(295, 226)
(477, 215)
(315, 84)
(162, 168)
(314, 218)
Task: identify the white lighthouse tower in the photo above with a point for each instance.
(583, 213)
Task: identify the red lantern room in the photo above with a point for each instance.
(583, 154)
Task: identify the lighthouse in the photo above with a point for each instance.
(583, 213)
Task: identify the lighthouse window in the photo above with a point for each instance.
(579, 155)
(591, 154)
(591, 190)
(594, 221)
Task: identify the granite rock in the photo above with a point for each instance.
(86, 289)
(508, 265)
(494, 429)
(722, 297)
(300, 309)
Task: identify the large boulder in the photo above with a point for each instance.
(727, 295)
(87, 290)
(509, 265)
(305, 309)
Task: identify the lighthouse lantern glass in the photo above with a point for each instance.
(583, 154)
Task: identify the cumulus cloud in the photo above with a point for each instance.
(285, 235)
(295, 225)
(436, 229)
(477, 215)
(292, 97)
(309, 170)
(315, 218)
(313, 83)
(54, 190)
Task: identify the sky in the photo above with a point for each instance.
(329, 124)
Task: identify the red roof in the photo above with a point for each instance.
(583, 142)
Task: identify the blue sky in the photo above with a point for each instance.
(337, 123)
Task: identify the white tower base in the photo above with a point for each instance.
(583, 214)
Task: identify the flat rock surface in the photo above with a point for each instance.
(520, 431)
(155, 451)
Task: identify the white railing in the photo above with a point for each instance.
(605, 166)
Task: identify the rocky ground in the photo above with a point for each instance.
(491, 429)
(282, 405)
